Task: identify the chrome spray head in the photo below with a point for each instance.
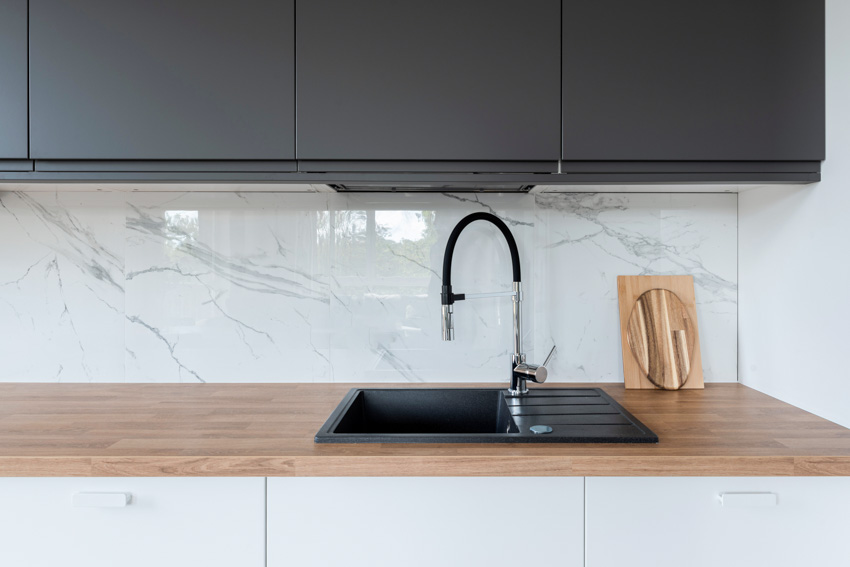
(448, 323)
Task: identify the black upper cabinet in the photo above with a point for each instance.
(673, 80)
(437, 80)
(413, 93)
(13, 79)
(162, 79)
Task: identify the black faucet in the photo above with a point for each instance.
(520, 371)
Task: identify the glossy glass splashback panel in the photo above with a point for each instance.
(264, 287)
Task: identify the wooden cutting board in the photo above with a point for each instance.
(659, 333)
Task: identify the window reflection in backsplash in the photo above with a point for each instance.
(381, 265)
(181, 226)
(388, 251)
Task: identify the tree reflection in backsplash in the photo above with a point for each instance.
(388, 252)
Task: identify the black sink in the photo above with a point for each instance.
(479, 415)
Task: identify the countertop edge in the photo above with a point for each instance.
(424, 466)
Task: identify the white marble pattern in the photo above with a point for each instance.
(635, 234)
(236, 286)
(226, 287)
(61, 287)
(385, 303)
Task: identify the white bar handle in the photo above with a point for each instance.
(748, 499)
(489, 294)
(101, 499)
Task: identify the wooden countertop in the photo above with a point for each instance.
(267, 430)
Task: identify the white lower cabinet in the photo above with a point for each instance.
(132, 522)
(419, 522)
(717, 522)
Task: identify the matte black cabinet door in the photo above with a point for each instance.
(13, 79)
(706, 80)
(436, 80)
(162, 79)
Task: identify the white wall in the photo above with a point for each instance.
(794, 271)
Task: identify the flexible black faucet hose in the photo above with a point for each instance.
(447, 297)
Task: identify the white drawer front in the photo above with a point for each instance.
(132, 522)
(712, 522)
(425, 522)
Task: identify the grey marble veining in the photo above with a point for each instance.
(61, 287)
(268, 287)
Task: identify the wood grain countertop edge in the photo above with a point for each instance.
(358, 466)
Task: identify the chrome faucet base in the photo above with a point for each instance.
(518, 392)
(518, 386)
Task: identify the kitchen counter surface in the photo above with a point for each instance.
(268, 429)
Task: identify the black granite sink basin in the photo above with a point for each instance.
(479, 415)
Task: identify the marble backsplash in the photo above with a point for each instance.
(234, 286)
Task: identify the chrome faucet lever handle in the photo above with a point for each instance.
(549, 356)
(532, 372)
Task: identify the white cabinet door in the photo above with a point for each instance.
(419, 522)
(712, 522)
(132, 522)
